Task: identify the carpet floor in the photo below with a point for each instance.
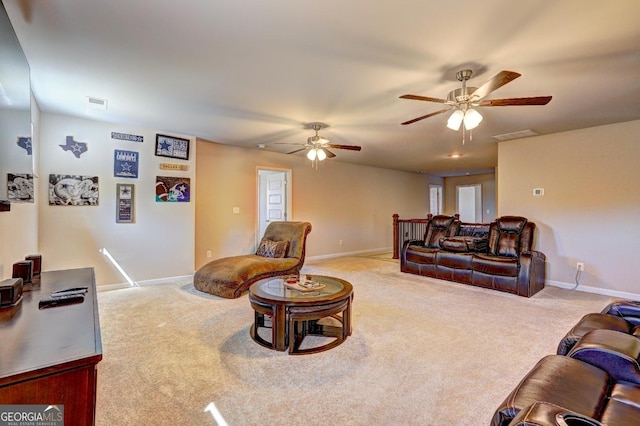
(423, 352)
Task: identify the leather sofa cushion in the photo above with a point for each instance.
(421, 254)
(590, 322)
(623, 407)
(478, 230)
(462, 244)
(627, 309)
(616, 353)
(454, 260)
(511, 224)
(508, 245)
(454, 244)
(495, 265)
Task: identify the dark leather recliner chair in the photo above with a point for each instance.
(510, 264)
(594, 382)
(573, 387)
(622, 316)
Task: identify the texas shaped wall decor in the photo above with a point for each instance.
(77, 148)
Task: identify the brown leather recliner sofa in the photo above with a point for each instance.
(596, 383)
(496, 255)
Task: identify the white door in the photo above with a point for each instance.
(435, 199)
(273, 197)
(469, 202)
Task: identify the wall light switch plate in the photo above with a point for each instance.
(236, 210)
(538, 192)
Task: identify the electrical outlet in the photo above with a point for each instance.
(339, 242)
(208, 253)
(580, 266)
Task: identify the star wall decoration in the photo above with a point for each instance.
(77, 148)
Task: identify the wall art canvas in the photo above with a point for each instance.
(173, 189)
(125, 163)
(124, 203)
(20, 188)
(169, 146)
(73, 190)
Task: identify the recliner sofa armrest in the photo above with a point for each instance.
(547, 414)
(532, 273)
(408, 243)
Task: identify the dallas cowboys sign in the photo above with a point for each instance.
(125, 163)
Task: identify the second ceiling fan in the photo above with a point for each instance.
(463, 100)
(318, 146)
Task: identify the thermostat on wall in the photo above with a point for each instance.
(538, 192)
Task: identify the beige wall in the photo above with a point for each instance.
(343, 201)
(590, 211)
(160, 242)
(488, 183)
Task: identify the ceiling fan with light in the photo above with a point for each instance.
(465, 99)
(318, 146)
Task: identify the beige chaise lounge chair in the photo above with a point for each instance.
(280, 252)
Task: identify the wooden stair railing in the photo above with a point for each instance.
(407, 229)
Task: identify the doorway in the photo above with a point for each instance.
(274, 197)
(435, 199)
(469, 202)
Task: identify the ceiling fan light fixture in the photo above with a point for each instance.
(321, 155)
(455, 120)
(472, 119)
(312, 154)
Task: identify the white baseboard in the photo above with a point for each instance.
(595, 290)
(183, 279)
(349, 253)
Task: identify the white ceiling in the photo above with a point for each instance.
(249, 72)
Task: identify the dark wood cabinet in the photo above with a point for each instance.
(49, 356)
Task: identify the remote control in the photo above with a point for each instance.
(69, 291)
(61, 301)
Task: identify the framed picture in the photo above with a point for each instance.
(125, 203)
(20, 188)
(73, 190)
(125, 163)
(173, 189)
(172, 147)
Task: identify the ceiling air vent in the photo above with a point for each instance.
(516, 135)
(97, 103)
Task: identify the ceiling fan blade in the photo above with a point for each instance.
(349, 147)
(423, 98)
(426, 116)
(297, 150)
(329, 153)
(535, 100)
(496, 82)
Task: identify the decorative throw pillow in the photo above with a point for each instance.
(270, 248)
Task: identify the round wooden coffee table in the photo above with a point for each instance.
(295, 314)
